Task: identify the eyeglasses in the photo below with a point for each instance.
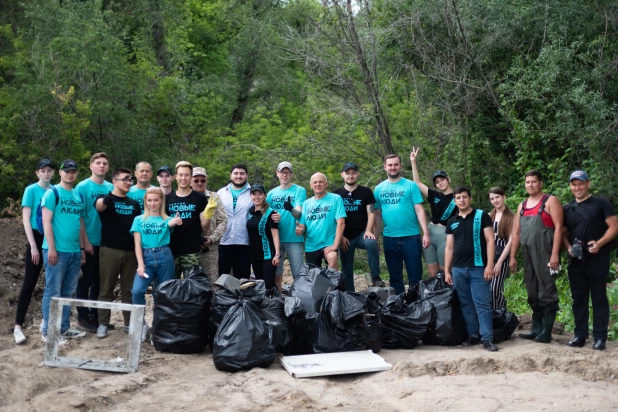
(126, 180)
(285, 173)
(199, 180)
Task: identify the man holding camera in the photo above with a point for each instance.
(590, 224)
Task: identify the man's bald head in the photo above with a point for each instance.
(319, 183)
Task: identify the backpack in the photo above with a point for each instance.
(39, 209)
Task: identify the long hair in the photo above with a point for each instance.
(162, 209)
(506, 223)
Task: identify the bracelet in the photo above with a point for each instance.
(82, 248)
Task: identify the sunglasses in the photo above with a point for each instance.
(199, 180)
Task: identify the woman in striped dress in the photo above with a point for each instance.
(502, 217)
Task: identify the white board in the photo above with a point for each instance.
(339, 363)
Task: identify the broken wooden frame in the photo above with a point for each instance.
(130, 364)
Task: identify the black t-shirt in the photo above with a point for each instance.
(355, 204)
(470, 246)
(442, 206)
(589, 223)
(260, 235)
(186, 238)
(116, 222)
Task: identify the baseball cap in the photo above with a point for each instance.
(257, 186)
(579, 175)
(284, 165)
(44, 162)
(68, 164)
(166, 169)
(349, 165)
(199, 171)
(439, 173)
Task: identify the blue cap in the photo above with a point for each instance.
(579, 175)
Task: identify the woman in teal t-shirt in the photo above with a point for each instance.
(151, 232)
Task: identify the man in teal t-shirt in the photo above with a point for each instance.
(399, 205)
(287, 199)
(322, 220)
(143, 174)
(63, 253)
(88, 286)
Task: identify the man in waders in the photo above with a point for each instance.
(538, 227)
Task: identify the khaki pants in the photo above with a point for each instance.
(210, 262)
(114, 262)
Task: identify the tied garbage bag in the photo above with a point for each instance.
(181, 311)
(402, 325)
(299, 326)
(505, 323)
(312, 284)
(341, 326)
(449, 328)
(224, 299)
(243, 340)
(273, 306)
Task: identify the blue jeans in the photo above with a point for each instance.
(159, 266)
(347, 259)
(474, 294)
(400, 250)
(294, 252)
(60, 281)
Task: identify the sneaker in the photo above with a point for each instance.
(86, 326)
(102, 332)
(41, 326)
(19, 336)
(73, 334)
(145, 330)
(111, 326)
(61, 340)
(489, 345)
(472, 340)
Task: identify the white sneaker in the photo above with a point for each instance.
(102, 332)
(19, 336)
(41, 325)
(61, 340)
(145, 330)
(73, 334)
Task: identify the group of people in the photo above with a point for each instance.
(146, 235)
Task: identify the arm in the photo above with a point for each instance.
(338, 236)
(448, 258)
(554, 208)
(417, 179)
(220, 226)
(422, 221)
(173, 222)
(608, 236)
(503, 256)
(515, 234)
(137, 238)
(277, 257)
(34, 250)
(102, 203)
(83, 240)
(52, 255)
(565, 239)
(488, 232)
(370, 222)
(300, 229)
(205, 222)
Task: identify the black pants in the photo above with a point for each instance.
(31, 277)
(590, 279)
(88, 286)
(236, 258)
(264, 269)
(315, 258)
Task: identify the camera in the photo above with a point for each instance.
(577, 249)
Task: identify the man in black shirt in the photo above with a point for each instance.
(590, 224)
(469, 256)
(358, 233)
(117, 253)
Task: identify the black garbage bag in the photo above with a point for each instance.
(312, 284)
(243, 340)
(224, 299)
(273, 306)
(402, 325)
(299, 323)
(342, 324)
(181, 312)
(449, 328)
(505, 323)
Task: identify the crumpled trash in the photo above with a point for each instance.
(505, 323)
(403, 325)
(449, 328)
(273, 306)
(312, 284)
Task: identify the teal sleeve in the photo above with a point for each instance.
(28, 199)
(136, 225)
(417, 197)
(303, 215)
(49, 200)
(376, 194)
(301, 196)
(340, 210)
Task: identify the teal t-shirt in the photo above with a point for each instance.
(235, 194)
(397, 200)
(65, 220)
(90, 191)
(137, 194)
(287, 224)
(32, 199)
(154, 231)
(321, 216)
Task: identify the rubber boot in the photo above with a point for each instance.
(537, 325)
(549, 316)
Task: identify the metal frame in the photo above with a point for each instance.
(51, 357)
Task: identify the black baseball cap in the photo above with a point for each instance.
(439, 173)
(257, 187)
(44, 162)
(165, 169)
(579, 175)
(349, 165)
(68, 164)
